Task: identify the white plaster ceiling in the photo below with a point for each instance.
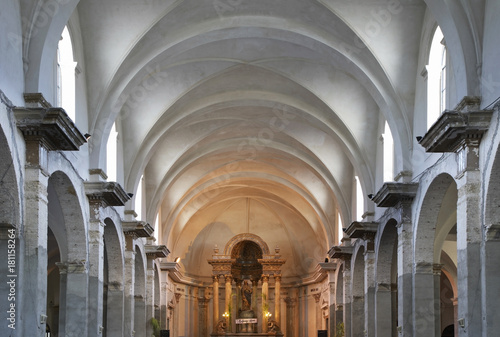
(249, 116)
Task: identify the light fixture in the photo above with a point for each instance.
(130, 195)
(370, 196)
(177, 260)
(419, 138)
(225, 315)
(43, 319)
(87, 136)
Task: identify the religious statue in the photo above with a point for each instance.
(246, 296)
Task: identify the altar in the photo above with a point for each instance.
(246, 263)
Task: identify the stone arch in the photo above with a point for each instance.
(66, 218)
(438, 197)
(246, 237)
(436, 217)
(9, 190)
(386, 313)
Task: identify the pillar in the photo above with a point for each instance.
(96, 270)
(291, 304)
(277, 298)
(265, 301)
(347, 277)
(128, 288)
(384, 310)
(405, 269)
(490, 280)
(139, 316)
(115, 321)
(34, 268)
(150, 286)
(216, 301)
(203, 316)
(370, 288)
(469, 237)
(317, 298)
(74, 281)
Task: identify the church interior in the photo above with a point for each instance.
(202, 168)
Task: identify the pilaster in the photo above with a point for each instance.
(73, 309)
(44, 129)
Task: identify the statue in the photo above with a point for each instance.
(246, 297)
(221, 327)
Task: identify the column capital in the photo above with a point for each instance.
(228, 278)
(215, 278)
(265, 278)
(277, 278)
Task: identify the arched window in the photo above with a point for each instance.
(360, 202)
(436, 78)
(65, 82)
(111, 154)
(138, 199)
(340, 227)
(388, 153)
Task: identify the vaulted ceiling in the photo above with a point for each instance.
(249, 116)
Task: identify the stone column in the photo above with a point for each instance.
(291, 304)
(128, 289)
(96, 269)
(150, 285)
(265, 301)
(277, 299)
(203, 316)
(317, 297)
(370, 287)
(405, 269)
(490, 280)
(34, 268)
(469, 242)
(383, 310)
(216, 301)
(347, 277)
(74, 277)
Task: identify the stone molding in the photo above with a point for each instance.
(36, 100)
(106, 193)
(156, 251)
(454, 129)
(49, 126)
(343, 253)
(138, 229)
(391, 193)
